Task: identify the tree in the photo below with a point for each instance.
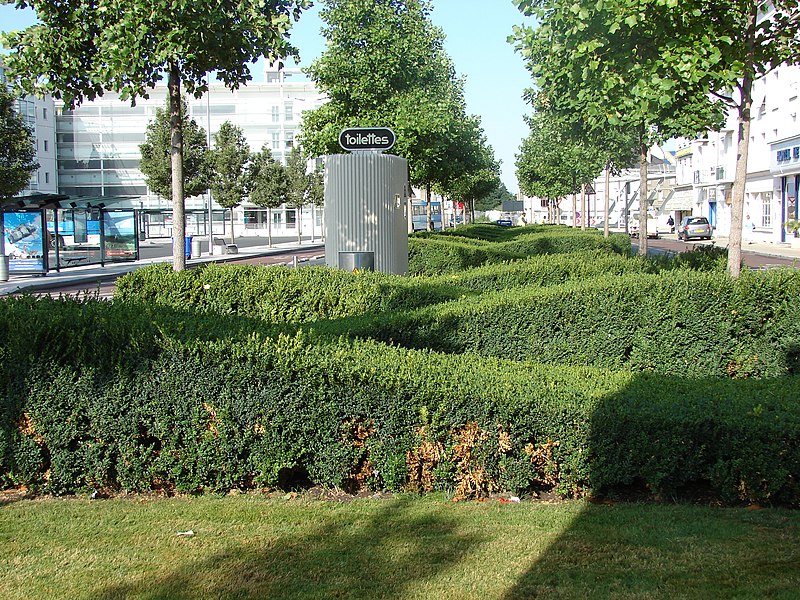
(604, 63)
(553, 162)
(156, 160)
(733, 44)
(82, 47)
(494, 199)
(17, 155)
(385, 65)
(269, 186)
(299, 185)
(475, 182)
(228, 167)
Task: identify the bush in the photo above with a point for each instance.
(685, 323)
(279, 294)
(437, 253)
(215, 415)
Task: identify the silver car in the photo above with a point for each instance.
(694, 227)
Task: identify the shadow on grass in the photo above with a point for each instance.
(669, 551)
(346, 556)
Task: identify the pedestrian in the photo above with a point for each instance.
(671, 223)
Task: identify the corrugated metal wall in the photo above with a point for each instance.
(366, 209)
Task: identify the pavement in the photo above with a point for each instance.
(89, 274)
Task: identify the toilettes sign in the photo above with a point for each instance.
(367, 138)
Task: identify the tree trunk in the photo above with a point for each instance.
(742, 152)
(428, 209)
(584, 212)
(233, 240)
(269, 227)
(176, 156)
(643, 198)
(574, 210)
(299, 225)
(606, 202)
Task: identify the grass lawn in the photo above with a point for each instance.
(405, 547)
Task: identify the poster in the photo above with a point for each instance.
(121, 241)
(25, 242)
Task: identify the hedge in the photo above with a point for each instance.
(437, 253)
(279, 294)
(197, 415)
(685, 323)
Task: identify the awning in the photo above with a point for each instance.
(679, 200)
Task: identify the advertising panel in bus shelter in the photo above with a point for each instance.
(25, 242)
(121, 241)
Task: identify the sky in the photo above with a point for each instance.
(475, 38)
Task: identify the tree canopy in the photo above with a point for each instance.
(156, 154)
(606, 63)
(17, 149)
(80, 48)
(385, 65)
(228, 170)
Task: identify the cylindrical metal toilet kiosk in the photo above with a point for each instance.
(366, 212)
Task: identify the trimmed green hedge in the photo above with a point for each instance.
(437, 253)
(685, 323)
(248, 411)
(279, 294)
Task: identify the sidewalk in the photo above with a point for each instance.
(96, 273)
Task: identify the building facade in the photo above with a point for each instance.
(39, 115)
(98, 151)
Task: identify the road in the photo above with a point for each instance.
(105, 289)
(753, 260)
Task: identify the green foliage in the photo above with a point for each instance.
(385, 66)
(279, 294)
(17, 149)
(461, 249)
(156, 160)
(494, 199)
(241, 377)
(682, 322)
(270, 187)
(228, 162)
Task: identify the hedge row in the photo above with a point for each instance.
(435, 254)
(193, 415)
(279, 294)
(684, 323)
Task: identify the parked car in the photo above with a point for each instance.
(694, 227)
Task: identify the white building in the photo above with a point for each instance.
(39, 115)
(98, 151)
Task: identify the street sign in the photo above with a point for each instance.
(367, 138)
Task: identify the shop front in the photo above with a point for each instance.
(785, 169)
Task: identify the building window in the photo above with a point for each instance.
(276, 114)
(46, 177)
(276, 140)
(288, 112)
(44, 114)
(46, 146)
(766, 209)
(289, 139)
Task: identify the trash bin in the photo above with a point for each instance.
(197, 247)
(187, 246)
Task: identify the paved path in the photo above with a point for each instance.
(87, 277)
